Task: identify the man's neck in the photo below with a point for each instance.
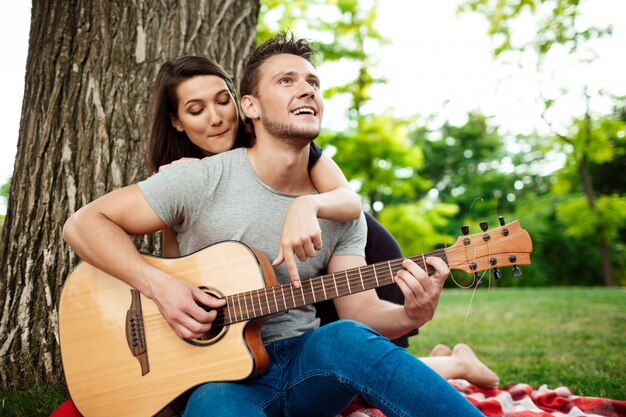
(281, 166)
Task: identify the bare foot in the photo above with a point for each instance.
(441, 350)
(477, 373)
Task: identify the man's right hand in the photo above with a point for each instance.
(178, 302)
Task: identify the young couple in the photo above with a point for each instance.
(244, 194)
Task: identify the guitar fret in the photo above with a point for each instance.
(239, 302)
(245, 303)
(376, 276)
(324, 288)
(390, 271)
(228, 308)
(302, 293)
(335, 282)
(348, 281)
(267, 301)
(260, 305)
(313, 290)
(252, 302)
(292, 296)
(424, 260)
(282, 290)
(275, 301)
(361, 276)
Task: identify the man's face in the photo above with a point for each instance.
(290, 103)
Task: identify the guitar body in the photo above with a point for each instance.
(103, 375)
(122, 359)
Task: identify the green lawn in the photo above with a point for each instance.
(574, 337)
(556, 336)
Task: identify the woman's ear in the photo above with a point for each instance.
(249, 107)
(176, 123)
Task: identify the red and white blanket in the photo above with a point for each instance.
(519, 400)
(522, 400)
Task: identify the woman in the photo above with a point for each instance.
(195, 115)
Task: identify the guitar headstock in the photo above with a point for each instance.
(507, 245)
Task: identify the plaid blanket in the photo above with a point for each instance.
(521, 400)
(518, 400)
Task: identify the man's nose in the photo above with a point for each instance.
(306, 89)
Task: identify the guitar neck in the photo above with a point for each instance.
(265, 301)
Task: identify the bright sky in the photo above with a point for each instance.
(437, 63)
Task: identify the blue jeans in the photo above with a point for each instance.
(319, 373)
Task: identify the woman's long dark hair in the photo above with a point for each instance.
(166, 144)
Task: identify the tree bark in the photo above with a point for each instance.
(85, 121)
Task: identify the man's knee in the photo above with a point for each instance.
(345, 338)
(222, 398)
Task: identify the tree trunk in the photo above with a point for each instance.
(85, 121)
(585, 177)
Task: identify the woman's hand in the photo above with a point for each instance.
(178, 161)
(301, 235)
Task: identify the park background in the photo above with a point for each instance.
(444, 114)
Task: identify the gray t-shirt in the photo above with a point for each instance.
(221, 198)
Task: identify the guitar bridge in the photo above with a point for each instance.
(135, 335)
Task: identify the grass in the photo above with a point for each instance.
(574, 337)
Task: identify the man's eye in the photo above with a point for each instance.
(285, 81)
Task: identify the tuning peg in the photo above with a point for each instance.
(501, 220)
(516, 271)
(496, 273)
(477, 279)
(484, 226)
(465, 230)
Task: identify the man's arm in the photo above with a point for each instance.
(421, 293)
(99, 233)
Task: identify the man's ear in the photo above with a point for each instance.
(249, 106)
(176, 123)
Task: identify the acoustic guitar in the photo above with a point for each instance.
(121, 358)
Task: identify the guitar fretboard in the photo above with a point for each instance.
(265, 301)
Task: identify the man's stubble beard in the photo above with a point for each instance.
(289, 134)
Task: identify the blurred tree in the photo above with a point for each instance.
(84, 121)
(558, 26)
(556, 23)
(594, 146)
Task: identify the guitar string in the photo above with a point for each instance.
(255, 300)
(251, 299)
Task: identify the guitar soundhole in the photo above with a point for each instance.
(218, 330)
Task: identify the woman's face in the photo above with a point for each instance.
(207, 113)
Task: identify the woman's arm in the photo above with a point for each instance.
(336, 201)
(301, 235)
(170, 244)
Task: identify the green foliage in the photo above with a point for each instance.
(4, 193)
(423, 183)
(417, 226)
(556, 23)
(610, 216)
(4, 189)
(378, 155)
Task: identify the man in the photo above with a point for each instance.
(243, 195)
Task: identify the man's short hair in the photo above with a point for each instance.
(281, 43)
